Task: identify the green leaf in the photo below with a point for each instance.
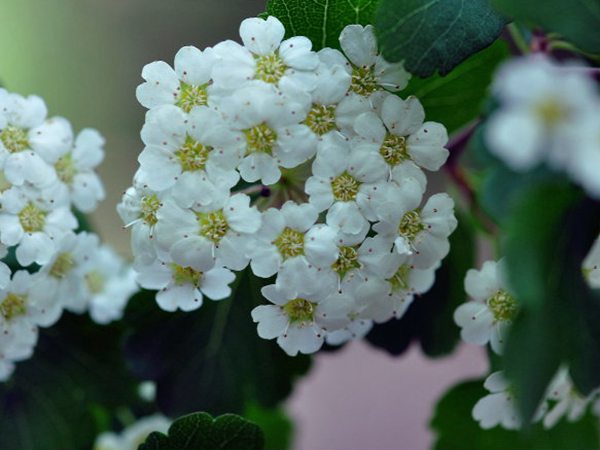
(199, 431)
(577, 20)
(455, 428)
(321, 21)
(435, 35)
(61, 397)
(457, 98)
(277, 427)
(210, 359)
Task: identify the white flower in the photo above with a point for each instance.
(265, 57)
(134, 435)
(184, 287)
(497, 408)
(591, 265)
(539, 102)
(488, 316)
(187, 85)
(583, 162)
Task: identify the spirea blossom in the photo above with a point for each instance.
(299, 164)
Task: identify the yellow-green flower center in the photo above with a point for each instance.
(193, 155)
(186, 275)
(300, 310)
(213, 225)
(14, 139)
(4, 183)
(270, 68)
(400, 280)
(149, 206)
(550, 112)
(62, 265)
(32, 218)
(95, 281)
(191, 96)
(321, 119)
(345, 187)
(13, 305)
(65, 169)
(394, 149)
(260, 139)
(503, 306)
(290, 243)
(347, 260)
(363, 81)
(411, 225)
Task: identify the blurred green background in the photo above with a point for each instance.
(85, 57)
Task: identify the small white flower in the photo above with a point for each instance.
(591, 265)
(488, 316)
(134, 435)
(498, 407)
(583, 162)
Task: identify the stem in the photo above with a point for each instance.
(456, 146)
(254, 189)
(563, 45)
(518, 38)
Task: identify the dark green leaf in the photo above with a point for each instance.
(277, 427)
(61, 397)
(210, 359)
(199, 431)
(577, 20)
(321, 20)
(435, 35)
(456, 430)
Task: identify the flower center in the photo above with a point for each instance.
(32, 218)
(65, 169)
(300, 310)
(62, 265)
(191, 96)
(260, 139)
(400, 280)
(321, 119)
(503, 306)
(4, 183)
(14, 139)
(345, 187)
(213, 225)
(411, 225)
(95, 281)
(149, 206)
(193, 155)
(550, 112)
(363, 81)
(269, 68)
(347, 260)
(394, 150)
(13, 305)
(290, 243)
(186, 275)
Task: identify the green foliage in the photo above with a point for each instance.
(200, 431)
(321, 21)
(456, 430)
(430, 318)
(277, 427)
(457, 98)
(65, 395)
(435, 35)
(210, 359)
(577, 20)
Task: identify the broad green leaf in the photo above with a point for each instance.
(435, 35)
(64, 396)
(276, 425)
(455, 428)
(457, 98)
(210, 359)
(321, 21)
(200, 431)
(577, 20)
(430, 317)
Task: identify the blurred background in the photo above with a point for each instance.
(84, 57)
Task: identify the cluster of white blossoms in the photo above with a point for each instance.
(548, 113)
(134, 435)
(486, 319)
(302, 165)
(45, 171)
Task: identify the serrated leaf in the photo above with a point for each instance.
(455, 428)
(200, 431)
(577, 20)
(210, 359)
(321, 21)
(435, 35)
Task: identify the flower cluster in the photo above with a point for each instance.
(549, 113)
(302, 165)
(45, 171)
(134, 435)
